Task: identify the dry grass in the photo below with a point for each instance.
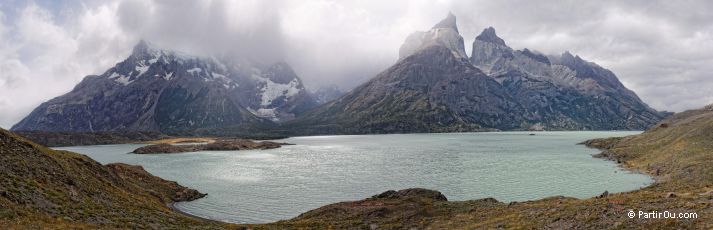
(180, 140)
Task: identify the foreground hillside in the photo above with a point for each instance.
(43, 188)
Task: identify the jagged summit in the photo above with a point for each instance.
(448, 22)
(144, 49)
(567, 54)
(489, 35)
(444, 34)
(141, 46)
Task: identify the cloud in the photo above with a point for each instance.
(662, 50)
(249, 27)
(41, 58)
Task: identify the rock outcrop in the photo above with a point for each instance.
(220, 145)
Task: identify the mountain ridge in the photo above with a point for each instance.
(496, 88)
(433, 87)
(167, 91)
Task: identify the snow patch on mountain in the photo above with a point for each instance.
(120, 78)
(271, 90)
(265, 113)
(194, 70)
(168, 76)
(142, 68)
(124, 80)
(220, 76)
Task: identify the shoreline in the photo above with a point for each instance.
(172, 207)
(68, 139)
(611, 141)
(620, 164)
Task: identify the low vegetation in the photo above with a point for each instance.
(220, 145)
(181, 140)
(44, 188)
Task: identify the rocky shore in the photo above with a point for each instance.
(219, 145)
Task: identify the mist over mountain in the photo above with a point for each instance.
(325, 94)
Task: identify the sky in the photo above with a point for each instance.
(662, 50)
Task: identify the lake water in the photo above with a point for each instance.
(258, 186)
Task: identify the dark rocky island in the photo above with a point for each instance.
(220, 145)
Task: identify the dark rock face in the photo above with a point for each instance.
(165, 91)
(432, 90)
(488, 35)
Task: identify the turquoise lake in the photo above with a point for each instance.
(259, 186)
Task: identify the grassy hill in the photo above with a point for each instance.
(44, 188)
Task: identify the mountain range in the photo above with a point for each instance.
(436, 87)
(167, 91)
(433, 87)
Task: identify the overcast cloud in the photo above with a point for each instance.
(662, 50)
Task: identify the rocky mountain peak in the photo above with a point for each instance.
(448, 22)
(144, 50)
(490, 52)
(571, 60)
(537, 56)
(568, 57)
(444, 34)
(142, 47)
(489, 35)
